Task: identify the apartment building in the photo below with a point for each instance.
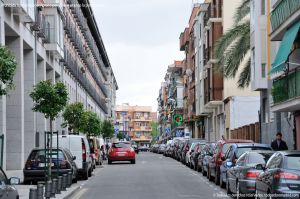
(263, 53)
(134, 122)
(285, 69)
(57, 43)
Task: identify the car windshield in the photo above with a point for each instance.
(258, 158)
(293, 162)
(242, 150)
(121, 145)
(225, 147)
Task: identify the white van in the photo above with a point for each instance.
(79, 147)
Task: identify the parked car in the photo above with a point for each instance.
(161, 148)
(121, 151)
(143, 148)
(195, 153)
(62, 163)
(187, 146)
(233, 153)
(155, 148)
(215, 162)
(241, 177)
(281, 175)
(204, 157)
(95, 151)
(7, 188)
(80, 148)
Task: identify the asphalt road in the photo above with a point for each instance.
(152, 177)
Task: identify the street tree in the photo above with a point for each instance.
(90, 124)
(8, 66)
(49, 99)
(73, 115)
(120, 136)
(154, 126)
(107, 129)
(232, 48)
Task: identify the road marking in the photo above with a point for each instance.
(80, 193)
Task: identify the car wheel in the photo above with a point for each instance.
(203, 172)
(228, 191)
(26, 182)
(75, 179)
(109, 161)
(221, 183)
(217, 177)
(132, 161)
(210, 178)
(86, 175)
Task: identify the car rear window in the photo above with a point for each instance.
(40, 155)
(121, 145)
(242, 150)
(225, 147)
(258, 158)
(293, 162)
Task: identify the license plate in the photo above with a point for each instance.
(43, 164)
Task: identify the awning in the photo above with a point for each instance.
(285, 48)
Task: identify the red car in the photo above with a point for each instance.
(121, 151)
(216, 160)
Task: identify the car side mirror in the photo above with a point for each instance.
(229, 164)
(14, 181)
(74, 157)
(260, 167)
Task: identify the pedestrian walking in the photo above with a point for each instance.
(278, 144)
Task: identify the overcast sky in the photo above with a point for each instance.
(141, 38)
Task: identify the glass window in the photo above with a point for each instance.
(2, 177)
(258, 158)
(121, 145)
(225, 148)
(241, 160)
(263, 70)
(242, 150)
(292, 162)
(274, 161)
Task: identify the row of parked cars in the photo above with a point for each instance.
(242, 167)
(71, 153)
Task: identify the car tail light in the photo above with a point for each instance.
(286, 175)
(251, 174)
(83, 152)
(28, 164)
(64, 164)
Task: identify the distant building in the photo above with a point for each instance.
(134, 122)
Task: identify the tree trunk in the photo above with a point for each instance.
(50, 151)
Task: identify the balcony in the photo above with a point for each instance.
(184, 39)
(21, 8)
(286, 12)
(72, 65)
(283, 11)
(42, 27)
(286, 93)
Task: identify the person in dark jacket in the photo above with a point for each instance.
(279, 144)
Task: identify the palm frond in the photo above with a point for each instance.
(245, 76)
(242, 11)
(226, 41)
(235, 55)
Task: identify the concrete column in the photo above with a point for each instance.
(15, 110)
(40, 118)
(29, 119)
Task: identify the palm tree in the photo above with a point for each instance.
(232, 47)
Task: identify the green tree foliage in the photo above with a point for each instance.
(232, 47)
(8, 66)
(73, 115)
(154, 126)
(90, 124)
(120, 136)
(107, 129)
(49, 99)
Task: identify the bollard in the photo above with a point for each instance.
(59, 184)
(64, 182)
(32, 193)
(40, 191)
(48, 189)
(69, 179)
(54, 187)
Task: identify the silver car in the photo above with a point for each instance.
(7, 189)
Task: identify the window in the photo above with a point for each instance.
(274, 161)
(263, 7)
(2, 177)
(138, 124)
(241, 160)
(263, 70)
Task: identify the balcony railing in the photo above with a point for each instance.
(286, 88)
(72, 65)
(283, 11)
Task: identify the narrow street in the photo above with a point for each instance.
(153, 176)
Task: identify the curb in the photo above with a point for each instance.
(69, 195)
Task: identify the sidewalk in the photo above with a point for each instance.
(23, 190)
